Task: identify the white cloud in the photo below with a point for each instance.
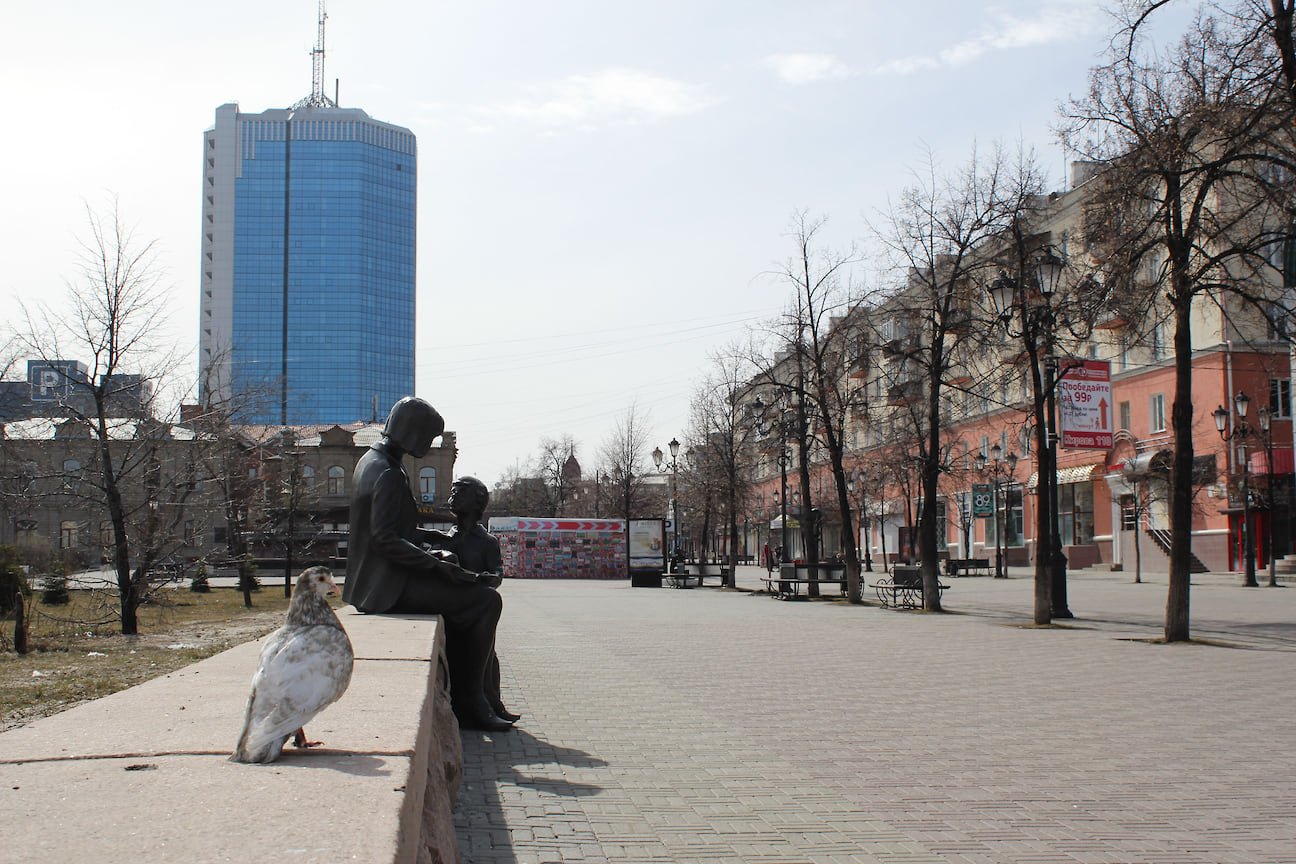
(806, 68)
(615, 95)
(1057, 21)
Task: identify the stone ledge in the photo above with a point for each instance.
(142, 775)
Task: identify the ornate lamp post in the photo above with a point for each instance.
(1036, 324)
(998, 471)
(1264, 418)
(1242, 431)
(765, 426)
(673, 508)
(856, 481)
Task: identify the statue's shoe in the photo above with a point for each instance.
(504, 713)
(482, 719)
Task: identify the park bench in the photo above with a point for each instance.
(792, 577)
(904, 588)
(967, 567)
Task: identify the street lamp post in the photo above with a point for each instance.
(998, 471)
(673, 508)
(764, 426)
(1264, 418)
(1037, 325)
(1242, 432)
(855, 481)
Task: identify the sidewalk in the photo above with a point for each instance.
(709, 725)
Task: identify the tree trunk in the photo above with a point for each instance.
(20, 622)
(731, 572)
(1177, 600)
(245, 580)
(927, 533)
(288, 554)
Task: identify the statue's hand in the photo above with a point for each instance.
(447, 557)
(492, 580)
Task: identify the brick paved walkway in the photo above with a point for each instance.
(717, 726)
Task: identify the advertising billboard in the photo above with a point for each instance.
(1085, 406)
(648, 545)
(561, 548)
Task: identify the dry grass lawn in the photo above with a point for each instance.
(77, 652)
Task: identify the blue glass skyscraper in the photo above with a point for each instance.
(308, 263)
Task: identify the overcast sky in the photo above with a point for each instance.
(604, 187)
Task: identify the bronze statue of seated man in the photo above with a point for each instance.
(390, 568)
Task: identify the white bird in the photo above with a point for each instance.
(305, 667)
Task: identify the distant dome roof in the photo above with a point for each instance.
(571, 468)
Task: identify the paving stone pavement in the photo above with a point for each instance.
(705, 725)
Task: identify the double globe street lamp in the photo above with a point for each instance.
(1028, 316)
(673, 509)
(998, 472)
(1243, 432)
(861, 482)
(765, 426)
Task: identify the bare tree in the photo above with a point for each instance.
(938, 234)
(116, 317)
(621, 459)
(722, 454)
(1189, 145)
(559, 484)
(810, 369)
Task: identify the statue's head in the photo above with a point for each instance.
(413, 425)
(468, 495)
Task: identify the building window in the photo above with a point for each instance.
(189, 534)
(1129, 513)
(1280, 402)
(1125, 416)
(1010, 503)
(106, 535)
(1157, 343)
(71, 475)
(336, 480)
(427, 484)
(1276, 321)
(67, 535)
(307, 476)
(1076, 513)
(1156, 413)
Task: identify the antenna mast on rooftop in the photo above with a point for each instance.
(317, 99)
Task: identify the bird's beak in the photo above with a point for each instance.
(335, 590)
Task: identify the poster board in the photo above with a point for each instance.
(647, 544)
(561, 548)
(1085, 406)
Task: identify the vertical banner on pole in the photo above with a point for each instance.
(1085, 406)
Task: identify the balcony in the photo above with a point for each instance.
(904, 392)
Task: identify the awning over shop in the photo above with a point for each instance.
(1150, 462)
(1070, 474)
(1283, 462)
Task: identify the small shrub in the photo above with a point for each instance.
(199, 583)
(54, 590)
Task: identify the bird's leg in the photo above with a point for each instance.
(299, 739)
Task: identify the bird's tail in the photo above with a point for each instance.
(259, 741)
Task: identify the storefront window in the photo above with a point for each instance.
(1076, 513)
(1011, 502)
